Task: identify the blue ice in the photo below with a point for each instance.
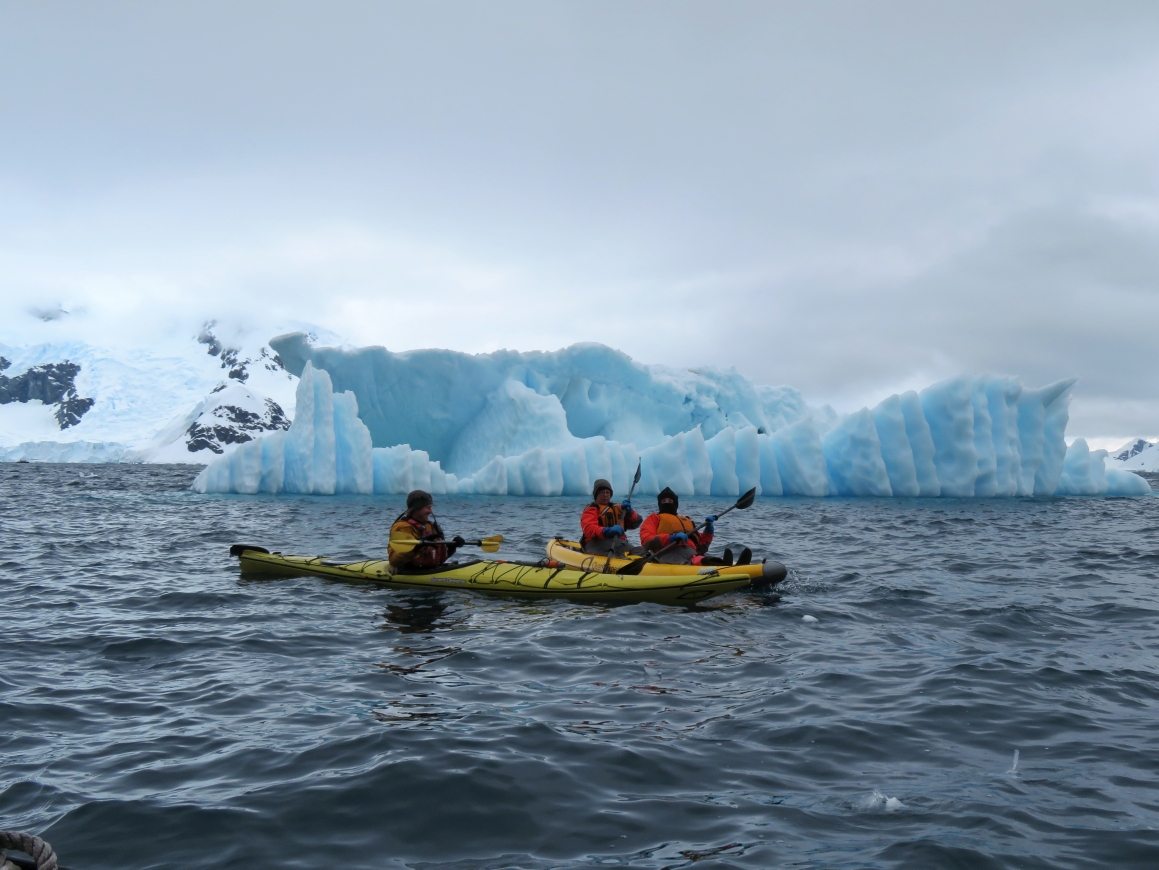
(549, 424)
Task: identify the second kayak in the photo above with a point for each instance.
(569, 553)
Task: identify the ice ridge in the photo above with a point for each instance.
(964, 437)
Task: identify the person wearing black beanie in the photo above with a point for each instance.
(666, 526)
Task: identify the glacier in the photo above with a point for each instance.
(184, 402)
(549, 423)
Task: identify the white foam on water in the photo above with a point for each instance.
(879, 801)
(1014, 767)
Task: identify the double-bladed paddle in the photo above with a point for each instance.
(405, 545)
(631, 489)
(637, 565)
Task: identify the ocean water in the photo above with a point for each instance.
(938, 684)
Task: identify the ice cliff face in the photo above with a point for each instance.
(464, 409)
(551, 423)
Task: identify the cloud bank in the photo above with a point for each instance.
(855, 199)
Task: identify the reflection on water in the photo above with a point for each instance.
(417, 613)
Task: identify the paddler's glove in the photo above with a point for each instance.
(458, 540)
(626, 507)
(708, 524)
(678, 538)
(613, 531)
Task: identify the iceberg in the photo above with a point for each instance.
(369, 421)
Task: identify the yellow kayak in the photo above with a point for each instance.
(504, 578)
(569, 553)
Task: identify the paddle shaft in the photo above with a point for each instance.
(631, 490)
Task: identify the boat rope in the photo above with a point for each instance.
(40, 851)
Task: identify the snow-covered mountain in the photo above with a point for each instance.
(1145, 458)
(1131, 448)
(76, 402)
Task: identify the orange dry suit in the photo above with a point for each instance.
(659, 526)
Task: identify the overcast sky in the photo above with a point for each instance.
(850, 198)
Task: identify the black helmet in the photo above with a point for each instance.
(418, 499)
(601, 484)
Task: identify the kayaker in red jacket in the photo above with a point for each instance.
(603, 524)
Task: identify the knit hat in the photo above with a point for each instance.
(667, 494)
(418, 499)
(601, 484)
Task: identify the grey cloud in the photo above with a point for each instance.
(845, 197)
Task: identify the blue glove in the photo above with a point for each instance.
(708, 524)
(626, 507)
(613, 531)
(678, 537)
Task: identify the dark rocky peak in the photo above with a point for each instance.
(229, 423)
(1133, 449)
(51, 384)
(206, 337)
(230, 356)
(271, 362)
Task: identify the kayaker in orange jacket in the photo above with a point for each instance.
(603, 524)
(667, 527)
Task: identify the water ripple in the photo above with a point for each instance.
(162, 711)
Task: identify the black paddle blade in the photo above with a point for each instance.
(633, 568)
(238, 549)
(636, 479)
(746, 500)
